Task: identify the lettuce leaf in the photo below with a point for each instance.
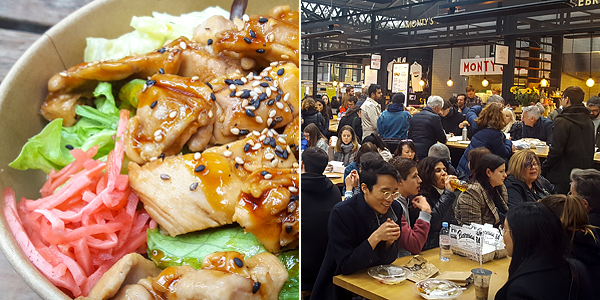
(291, 261)
(97, 126)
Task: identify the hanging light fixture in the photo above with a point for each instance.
(450, 82)
(421, 82)
(590, 82)
(485, 82)
(544, 82)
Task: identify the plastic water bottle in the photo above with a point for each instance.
(445, 251)
(464, 133)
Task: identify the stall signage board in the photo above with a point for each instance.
(330, 92)
(400, 79)
(370, 76)
(375, 61)
(476, 66)
(501, 55)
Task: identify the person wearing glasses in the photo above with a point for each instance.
(367, 230)
(572, 141)
(525, 183)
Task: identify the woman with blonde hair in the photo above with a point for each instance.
(509, 117)
(584, 241)
(491, 121)
(346, 147)
(525, 182)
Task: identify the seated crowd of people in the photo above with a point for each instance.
(399, 187)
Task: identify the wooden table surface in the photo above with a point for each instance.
(362, 284)
(21, 24)
(336, 178)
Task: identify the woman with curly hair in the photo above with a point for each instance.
(491, 121)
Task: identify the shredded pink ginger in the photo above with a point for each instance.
(73, 235)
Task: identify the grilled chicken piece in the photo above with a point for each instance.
(257, 150)
(268, 207)
(187, 193)
(255, 102)
(169, 112)
(272, 37)
(180, 57)
(127, 271)
(292, 135)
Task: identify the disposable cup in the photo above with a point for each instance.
(481, 280)
(334, 141)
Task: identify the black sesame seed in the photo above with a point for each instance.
(278, 119)
(267, 78)
(193, 186)
(165, 177)
(227, 147)
(262, 97)
(263, 173)
(264, 84)
(250, 113)
(280, 71)
(238, 262)
(278, 97)
(244, 131)
(297, 148)
(279, 91)
(270, 102)
(272, 124)
(238, 82)
(232, 94)
(245, 94)
(267, 141)
(150, 83)
(279, 154)
(70, 147)
(278, 148)
(274, 143)
(252, 34)
(263, 20)
(161, 71)
(162, 156)
(291, 108)
(200, 168)
(228, 81)
(294, 197)
(264, 44)
(236, 166)
(256, 104)
(288, 229)
(247, 40)
(162, 50)
(209, 42)
(153, 104)
(255, 287)
(285, 154)
(247, 147)
(293, 145)
(261, 51)
(209, 85)
(212, 97)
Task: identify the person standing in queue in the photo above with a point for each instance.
(371, 110)
(572, 142)
(426, 126)
(472, 99)
(367, 230)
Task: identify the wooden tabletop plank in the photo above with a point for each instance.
(12, 45)
(32, 15)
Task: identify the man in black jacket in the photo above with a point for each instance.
(319, 195)
(426, 126)
(534, 125)
(572, 142)
(586, 185)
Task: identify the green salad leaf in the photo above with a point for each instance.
(48, 149)
(291, 288)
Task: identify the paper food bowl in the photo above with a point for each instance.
(25, 88)
(389, 274)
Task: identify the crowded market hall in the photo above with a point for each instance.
(450, 149)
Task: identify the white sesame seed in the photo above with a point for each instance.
(158, 138)
(256, 133)
(271, 37)
(262, 137)
(279, 105)
(63, 74)
(281, 140)
(250, 141)
(234, 131)
(255, 97)
(245, 103)
(272, 64)
(253, 94)
(268, 91)
(274, 132)
(276, 83)
(239, 93)
(284, 56)
(264, 73)
(272, 88)
(257, 77)
(286, 109)
(270, 134)
(286, 97)
(158, 132)
(144, 88)
(257, 90)
(210, 114)
(268, 176)
(269, 121)
(250, 76)
(195, 78)
(232, 87)
(173, 114)
(250, 107)
(272, 113)
(152, 158)
(256, 146)
(293, 189)
(295, 165)
(259, 120)
(267, 69)
(264, 131)
(255, 83)
(239, 160)
(227, 153)
(274, 162)
(183, 45)
(244, 79)
(197, 155)
(245, 18)
(269, 156)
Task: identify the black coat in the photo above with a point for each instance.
(319, 195)
(586, 249)
(355, 122)
(572, 146)
(451, 120)
(313, 116)
(425, 130)
(441, 211)
(542, 278)
(350, 224)
(541, 130)
(519, 192)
